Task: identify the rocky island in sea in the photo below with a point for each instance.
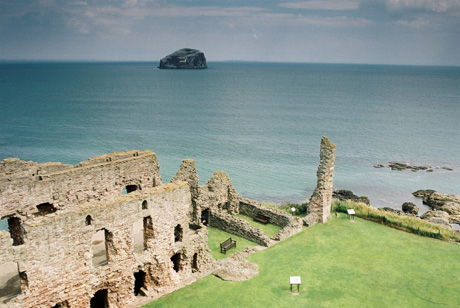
(185, 58)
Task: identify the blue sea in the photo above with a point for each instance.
(261, 123)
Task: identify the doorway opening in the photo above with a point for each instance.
(99, 299)
(139, 283)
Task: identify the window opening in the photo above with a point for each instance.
(45, 208)
(138, 236)
(16, 230)
(176, 262)
(178, 233)
(139, 283)
(129, 189)
(88, 220)
(99, 247)
(205, 217)
(99, 299)
(195, 262)
(145, 205)
(148, 231)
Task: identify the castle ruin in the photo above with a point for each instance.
(107, 231)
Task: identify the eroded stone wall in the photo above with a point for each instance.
(64, 185)
(320, 200)
(55, 261)
(290, 224)
(235, 225)
(55, 211)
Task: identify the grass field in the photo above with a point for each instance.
(268, 229)
(342, 264)
(217, 236)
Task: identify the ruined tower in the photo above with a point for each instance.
(320, 200)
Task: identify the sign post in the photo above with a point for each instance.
(351, 214)
(295, 280)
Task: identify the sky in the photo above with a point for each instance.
(407, 32)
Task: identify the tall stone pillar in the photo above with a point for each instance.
(320, 200)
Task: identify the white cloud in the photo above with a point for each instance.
(335, 5)
(436, 6)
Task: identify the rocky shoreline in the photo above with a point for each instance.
(445, 208)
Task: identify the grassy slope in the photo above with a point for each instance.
(342, 264)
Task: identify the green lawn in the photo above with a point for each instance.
(268, 229)
(217, 236)
(342, 264)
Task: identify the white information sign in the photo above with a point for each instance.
(351, 212)
(294, 279)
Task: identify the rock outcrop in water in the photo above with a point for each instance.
(449, 204)
(343, 194)
(185, 58)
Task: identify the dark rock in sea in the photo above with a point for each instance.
(423, 192)
(410, 208)
(343, 194)
(406, 166)
(185, 58)
(437, 217)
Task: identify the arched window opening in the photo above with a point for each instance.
(176, 262)
(178, 233)
(139, 283)
(88, 220)
(100, 299)
(145, 205)
(45, 208)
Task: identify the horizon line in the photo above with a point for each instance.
(4, 61)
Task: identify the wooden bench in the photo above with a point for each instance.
(227, 244)
(262, 218)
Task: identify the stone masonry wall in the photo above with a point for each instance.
(320, 200)
(55, 211)
(55, 260)
(64, 185)
(290, 224)
(232, 224)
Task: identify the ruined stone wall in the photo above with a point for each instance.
(55, 261)
(234, 225)
(320, 200)
(218, 193)
(290, 224)
(63, 185)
